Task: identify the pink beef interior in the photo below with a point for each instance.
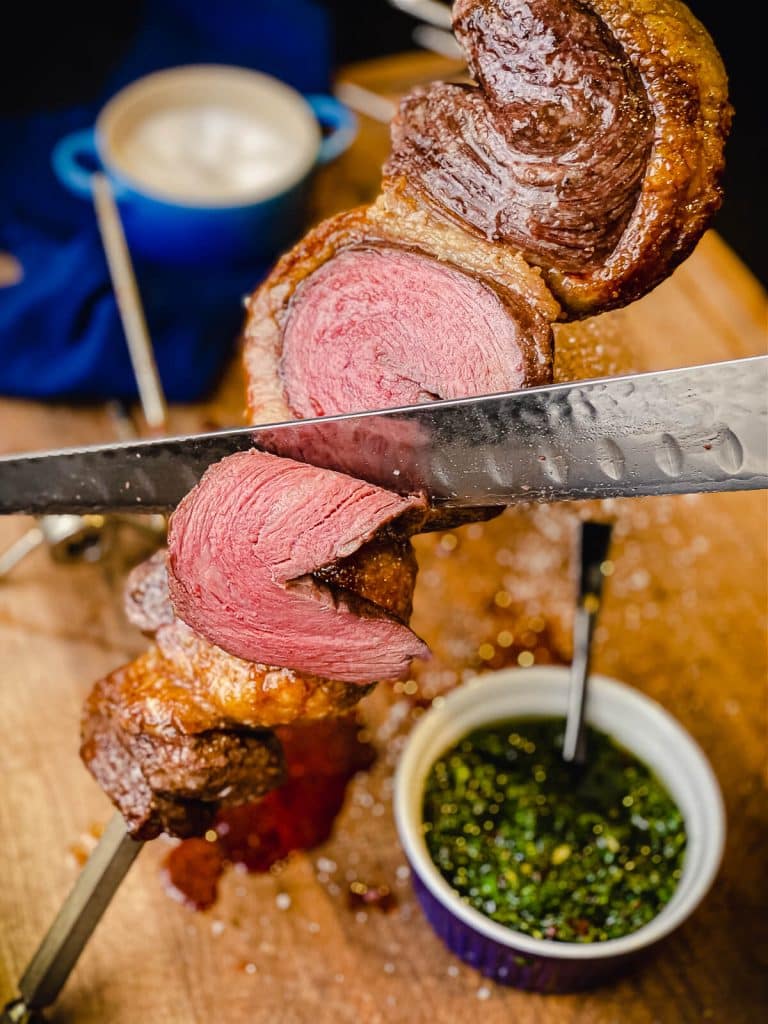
(242, 546)
(375, 328)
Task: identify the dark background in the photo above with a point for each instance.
(54, 54)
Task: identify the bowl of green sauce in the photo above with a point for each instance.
(542, 876)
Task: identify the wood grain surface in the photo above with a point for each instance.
(684, 620)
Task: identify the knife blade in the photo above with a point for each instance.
(702, 428)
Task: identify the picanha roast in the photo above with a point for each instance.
(580, 168)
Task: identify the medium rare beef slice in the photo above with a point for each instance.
(592, 142)
(200, 687)
(244, 546)
(197, 687)
(389, 306)
(170, 782)
(380, 327)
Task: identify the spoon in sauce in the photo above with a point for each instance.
(594, 544)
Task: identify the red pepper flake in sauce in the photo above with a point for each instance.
(321, 758)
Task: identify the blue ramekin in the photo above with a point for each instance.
(639, 724)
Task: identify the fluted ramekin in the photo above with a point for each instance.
(637, 723)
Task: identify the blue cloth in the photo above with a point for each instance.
(60, 335)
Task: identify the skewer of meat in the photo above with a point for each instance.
(574, 176)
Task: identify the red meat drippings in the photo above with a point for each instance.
(321, 758)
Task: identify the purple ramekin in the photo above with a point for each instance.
(639, 724)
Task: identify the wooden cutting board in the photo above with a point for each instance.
(685, 621)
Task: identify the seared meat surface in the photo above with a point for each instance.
(242, 549)
(171, 782)
(592, 143)
(558, 109)
(573, 177)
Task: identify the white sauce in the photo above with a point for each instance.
(206, 152)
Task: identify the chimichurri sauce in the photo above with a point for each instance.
(574, 858)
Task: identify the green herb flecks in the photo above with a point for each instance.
(574, 858)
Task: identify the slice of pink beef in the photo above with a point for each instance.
(243, 545)
(381, 327)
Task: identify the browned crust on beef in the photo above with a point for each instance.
(687, 89)
(171, 782)
(189, 685)
(685, 86)
(229, 691)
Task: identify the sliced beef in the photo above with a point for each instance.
(388, 305)
(375, 328)
(333, 328)
(198, 687)
(146, 599)
(170, 782)
(590, 147)
(592, 143)
(382, 571)
(243, 547)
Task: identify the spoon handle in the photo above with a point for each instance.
(595, 541)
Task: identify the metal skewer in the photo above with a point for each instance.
(25, 545)
(595, 541)
(69, 538)
(430, 11)
(81, 911)
(363, 101)
(437, 40)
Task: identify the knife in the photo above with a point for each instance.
(702, 428)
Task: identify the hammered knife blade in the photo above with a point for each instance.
(701, 428)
